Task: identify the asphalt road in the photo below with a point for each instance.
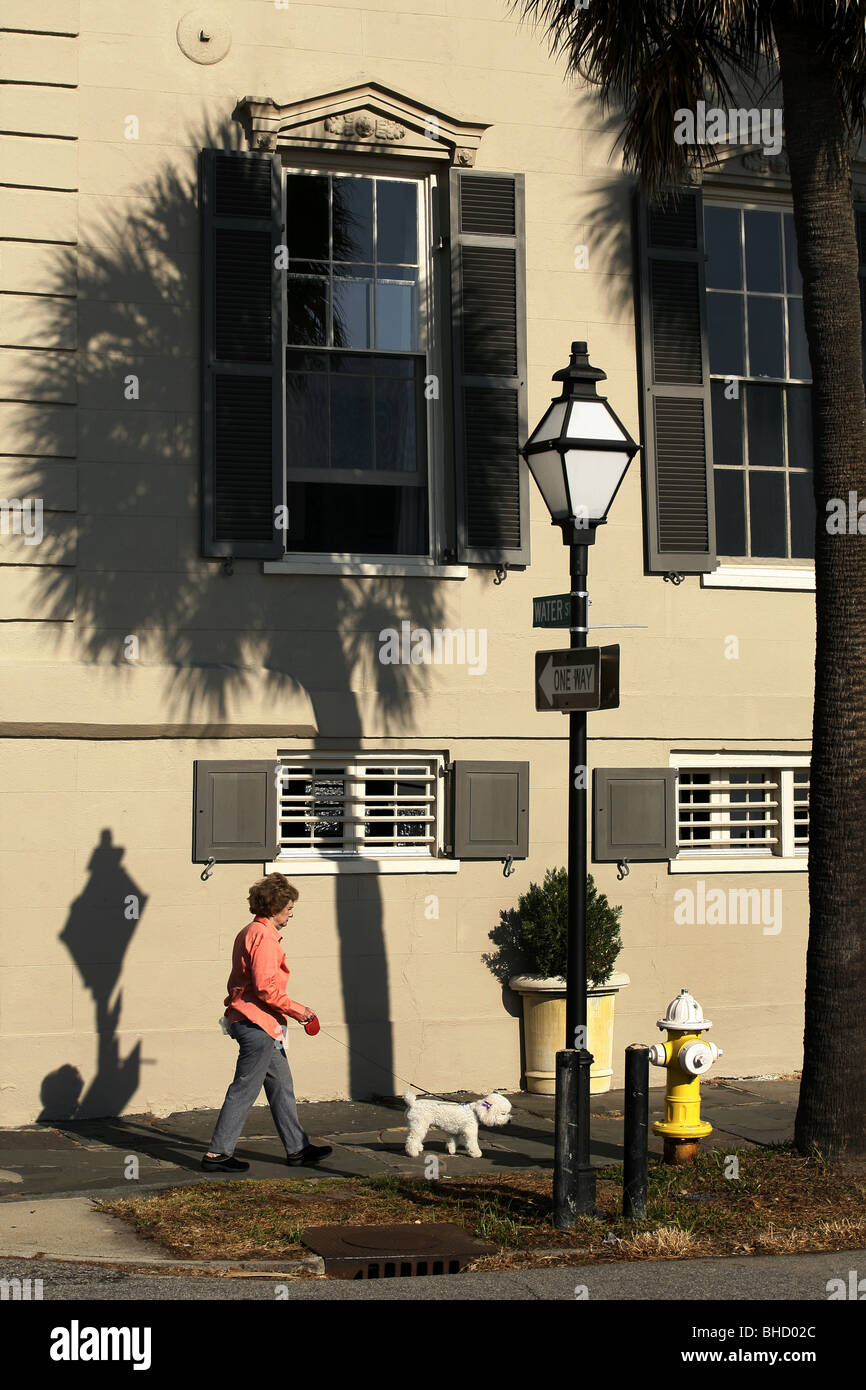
(779, 1278)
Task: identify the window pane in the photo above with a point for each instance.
(396, 317)
(793, 278)
(350, 518)
(764, 427)
(353, 313)
(722, 232)
(763, 251)
(727, 426)
(306, 420)
(725, 321)
(396, 222)
(307, 312)
(730, 512)
(353, 219)
(766, 338)
(396, 424)
(799, 426)
(802, 517)
(307, 216)
(798, 348)
(351, 421)
(767, 514)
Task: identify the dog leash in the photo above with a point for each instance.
(389, 1070)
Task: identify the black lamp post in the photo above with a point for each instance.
(578, 455)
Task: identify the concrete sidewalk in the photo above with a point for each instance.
(48, 1172)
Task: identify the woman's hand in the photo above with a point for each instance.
(308, 1014)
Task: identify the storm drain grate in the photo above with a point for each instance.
(394, 1252)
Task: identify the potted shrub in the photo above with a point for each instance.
(540, 934)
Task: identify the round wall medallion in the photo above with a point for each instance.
(204, 35)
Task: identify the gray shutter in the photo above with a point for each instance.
(490, 810)
(677, 425)
(242, 354)
(488, 284)
(235, 812)
(860, 222)
(634, 814)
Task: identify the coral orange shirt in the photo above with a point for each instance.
(257, 983)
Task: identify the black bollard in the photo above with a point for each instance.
(634, 1177)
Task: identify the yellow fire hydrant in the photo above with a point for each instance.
(686, 1056)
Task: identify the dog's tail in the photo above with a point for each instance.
(410, 1097)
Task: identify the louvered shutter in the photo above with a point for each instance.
(489, 359)
(242, 354)
(860, 220)
(677, 425)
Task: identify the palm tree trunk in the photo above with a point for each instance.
(832, 1109)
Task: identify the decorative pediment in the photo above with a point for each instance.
(357, 119)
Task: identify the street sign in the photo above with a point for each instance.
(580, 679)
(552, 610)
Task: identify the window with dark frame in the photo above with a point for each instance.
(355, 344)
(760, 385)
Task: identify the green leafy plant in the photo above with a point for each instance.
(542, 928)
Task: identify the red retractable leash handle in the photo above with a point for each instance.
(312, 1026)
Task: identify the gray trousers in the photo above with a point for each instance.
(260, 1061)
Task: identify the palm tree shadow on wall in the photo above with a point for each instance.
(138, 571)
(97, 933)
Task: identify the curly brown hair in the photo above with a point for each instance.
(270, 895)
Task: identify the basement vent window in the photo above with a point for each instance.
(366, 806)
(743, 810)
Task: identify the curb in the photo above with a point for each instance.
(313, 1264)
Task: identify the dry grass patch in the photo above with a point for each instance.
(780, 1203)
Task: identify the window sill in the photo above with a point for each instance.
(371, 565)
(760, 577)
(757, 864)
(303, 867)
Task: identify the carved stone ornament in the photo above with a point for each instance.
(759, 163)
(362, 125)
(367, 114)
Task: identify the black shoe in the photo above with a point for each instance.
(311, 1154)
(225, 1162)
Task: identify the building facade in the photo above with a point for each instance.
(283, 288)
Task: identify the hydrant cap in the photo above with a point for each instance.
(685, 1013)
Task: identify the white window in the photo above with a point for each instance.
(741, 812)
(361, 437)
(371, 807)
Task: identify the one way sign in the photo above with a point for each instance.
(582, 678)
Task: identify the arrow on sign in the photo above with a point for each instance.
(566, 680)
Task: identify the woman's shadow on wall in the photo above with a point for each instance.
(97, 933)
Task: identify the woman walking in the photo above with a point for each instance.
(258, 1007)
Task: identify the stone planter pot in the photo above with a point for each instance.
(544, 1029)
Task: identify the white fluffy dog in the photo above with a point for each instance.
(458, 1121)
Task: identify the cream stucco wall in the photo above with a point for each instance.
(100, 280)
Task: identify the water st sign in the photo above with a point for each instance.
(552, 610)
(580, 679)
